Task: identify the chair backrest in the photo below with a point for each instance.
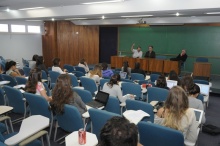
(201, 81)
(68, 67)
(85, 95)
(131, 88)
(21, 80)
(47, 89)
(2, 97)
(202, 59)
(137, 76)
(157, 135)
(9, 78)
(161, 57)
(81, 69)
(156, 94)
(146, 82)
(140, 105)
(71, 119)
(44, 75)
(97, 122)
(102, 82)
(78, 73)
(52, 85)
(26, 71)
(74, 80)
(127, 80)
(201, 97)
(15, 99)
(113, 105)
(38, 105)
(53, 76)
(154, 77)
(88, 84)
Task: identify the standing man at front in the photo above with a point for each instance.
(137, 53)
(150, 53)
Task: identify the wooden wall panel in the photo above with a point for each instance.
(75, 42)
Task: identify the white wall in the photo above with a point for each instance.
(17, 46)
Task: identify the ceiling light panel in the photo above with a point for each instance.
(137, 16)
(101, 2)
(33, 8)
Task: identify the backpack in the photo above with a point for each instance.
(211, 129)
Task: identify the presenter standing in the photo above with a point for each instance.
(137, 53)
(150, 53)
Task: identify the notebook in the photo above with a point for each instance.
(171, 83)
(204, 89)
(100, 100)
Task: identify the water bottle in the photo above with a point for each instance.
(119, 53)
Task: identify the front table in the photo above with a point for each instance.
(72, 139)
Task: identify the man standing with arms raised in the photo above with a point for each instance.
(137, 53)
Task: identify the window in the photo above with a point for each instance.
(3, 27)
(17, 28)
(34, 29)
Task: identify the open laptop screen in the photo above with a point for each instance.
(102, 97)
(171, 83)
(204, 89)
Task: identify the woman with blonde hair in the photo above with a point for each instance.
(96, 73)
(176, 114)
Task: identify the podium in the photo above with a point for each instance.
(202, 69)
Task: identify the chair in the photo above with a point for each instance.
(157, 135)
(44, 75)
(85, 95)
(53, 76)
(81, 69)
(9, 78)
(137, 76)
(146, 82)
(161, 57)
(156, 94)
(113, 105)
(201, 81)
(68, 67)
(4, 127)
(2, 97)
(201, 97)
(127, 80)
(140, 105)
(78, 73)
(131, 88)
(39, 106)
(47, 89)
(202, 59)
(21, 80)
(17, 101)
(26, 71)
(89, 84)
(97, 122)
(69, 121)
(154, 77)
(74, 80)
(102, 82)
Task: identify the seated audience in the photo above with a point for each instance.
(34, 84)
(137, 69)
(114, 89)
(194, 102)
(40, 64)
(95, 74)
(126, 68)
(105, 71)
(84, 65)
(118, 131)
(56, 66)
(63, 94)
(32, 63)
(176, 114)
(173, 76)
(161, 82)
(10, 69)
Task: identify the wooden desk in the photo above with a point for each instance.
(202, 69)
(171, 65)
(144, 63)
(156, 65)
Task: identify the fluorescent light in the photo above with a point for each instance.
(111, 1)
(211, 13)
(76, 18)
(103, 17)
(7, 9)
(177, 14)
(31, 8)
(33, 20)
(138, 16)
(52, 19)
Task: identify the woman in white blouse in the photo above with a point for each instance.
(84, 65)
(56, 66)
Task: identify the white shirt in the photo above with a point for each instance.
(57, 69)
(137, 54)
(96, 78)
(84, 66)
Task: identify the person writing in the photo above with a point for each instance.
(181, 57)
(137, 53)
(150, 53)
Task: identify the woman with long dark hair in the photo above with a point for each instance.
(126, 68)
(40, 64)
(10, 69)
(63, 94)
(161, 82)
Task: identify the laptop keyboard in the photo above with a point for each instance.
(95, 104)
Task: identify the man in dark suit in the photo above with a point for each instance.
(150, 53)
(181, 57)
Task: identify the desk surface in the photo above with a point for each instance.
(86, 114)
(4, 82)
(29, 126)
(72, 139)
(5, 109)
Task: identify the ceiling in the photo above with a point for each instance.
(162, 11)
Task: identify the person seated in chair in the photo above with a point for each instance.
(150, 53)
(161, 82)
(105, 71)
(84, 65)
(181, 57)
(10, 69)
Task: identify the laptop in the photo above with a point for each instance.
(171, 83)
(204, 89)
(100, 100)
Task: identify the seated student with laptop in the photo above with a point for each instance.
(101, 100)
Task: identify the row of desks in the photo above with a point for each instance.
(147, 64)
